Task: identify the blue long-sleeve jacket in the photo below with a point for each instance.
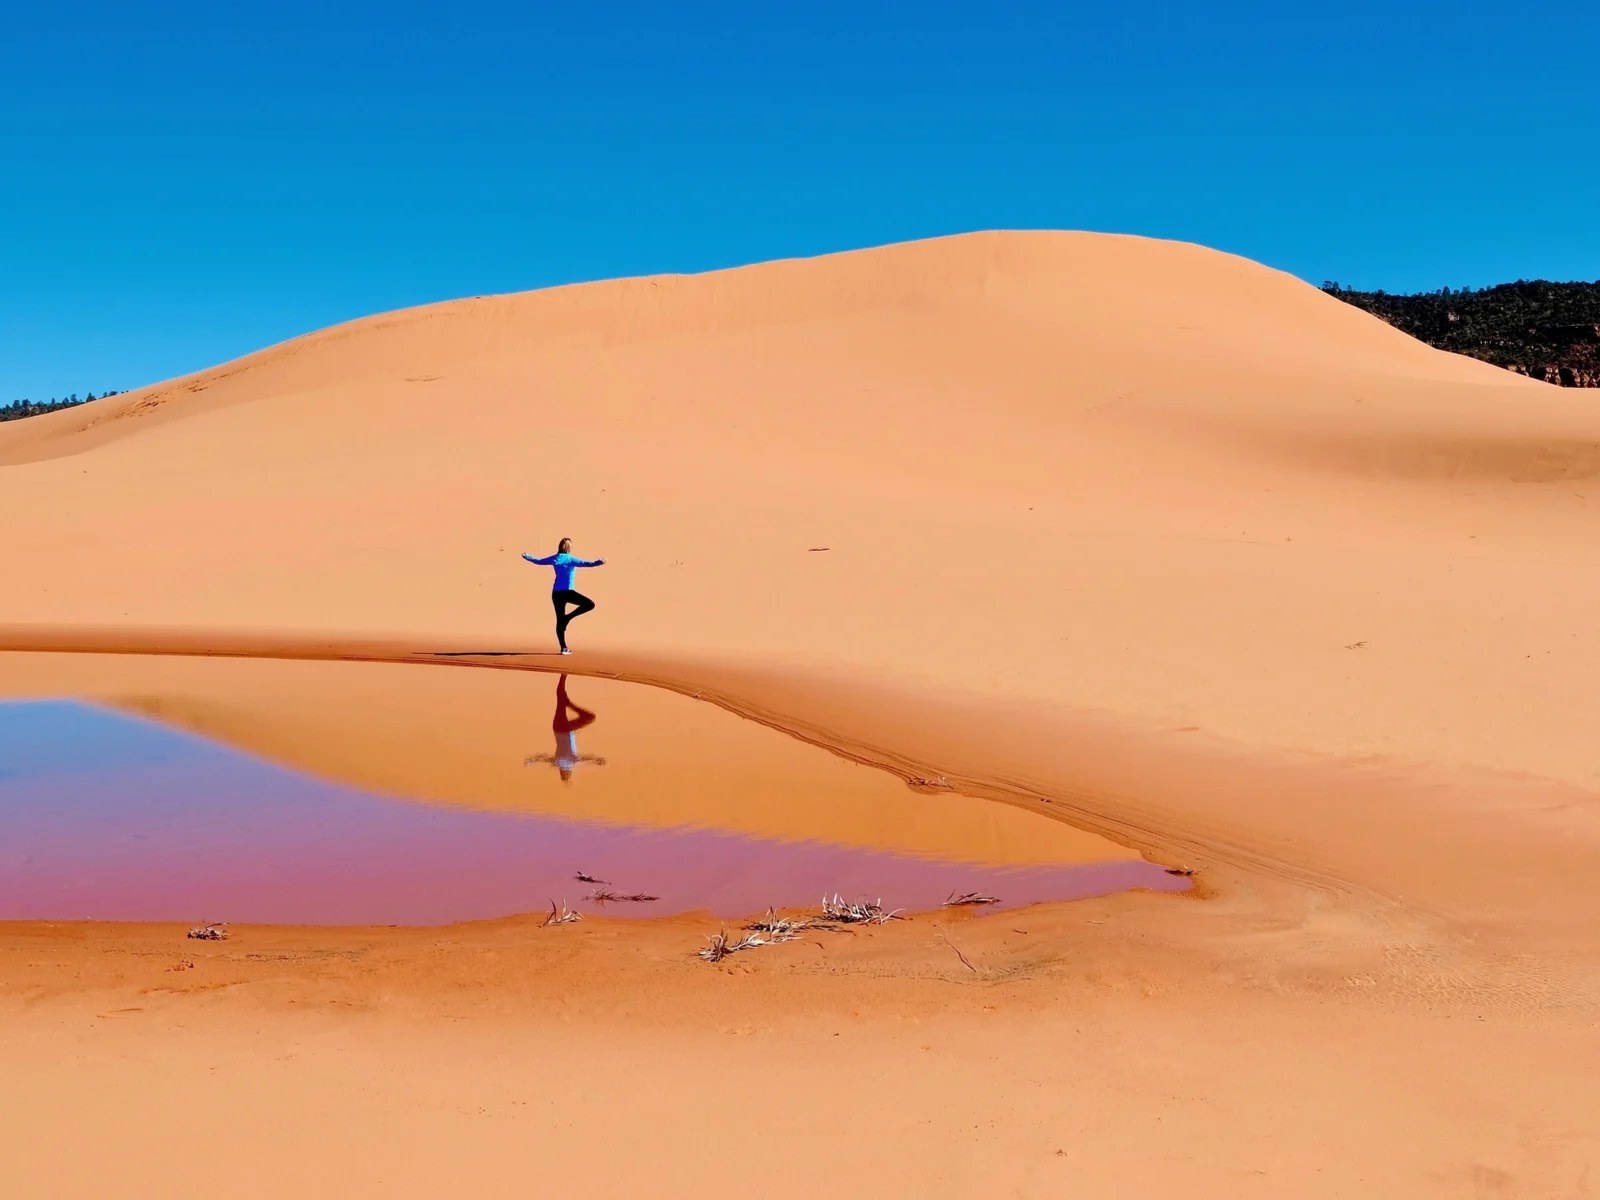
(565, 565)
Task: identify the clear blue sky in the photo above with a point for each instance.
(184, 182)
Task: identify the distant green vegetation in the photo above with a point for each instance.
(18, 409)
(1550, 331)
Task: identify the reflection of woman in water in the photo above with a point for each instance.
(565, 726)
(562, 594)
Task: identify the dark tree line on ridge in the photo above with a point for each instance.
(18, 409)
(1548, 331)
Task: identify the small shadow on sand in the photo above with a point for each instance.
(491, 653)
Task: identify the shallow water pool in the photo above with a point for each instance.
(303, 793)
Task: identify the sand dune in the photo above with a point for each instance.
(1073, 488)
(1130, 476)
(1206, 560)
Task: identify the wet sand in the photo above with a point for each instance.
(1157, 541)
(1112, 1048)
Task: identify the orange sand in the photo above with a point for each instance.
(1211, 563)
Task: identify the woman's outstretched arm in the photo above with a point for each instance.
(540, 562)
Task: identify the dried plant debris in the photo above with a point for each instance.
(965, 961)
(929, 781)
(786, 929)
(1180, 870)
(719, 946)
(606, 896)
(561, 916)
(585, 877)
(955, 901)
(857, 912)
(210, 933)
(773, 930)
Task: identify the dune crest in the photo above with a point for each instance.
(1138, 289)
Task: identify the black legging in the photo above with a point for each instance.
(563, 598)
(569, 717)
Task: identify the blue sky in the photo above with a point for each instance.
(185, 182)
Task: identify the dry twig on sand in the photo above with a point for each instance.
(561, 916)
(857, 912)
(585, 877)
(787, 929)
(718, 946)
(606, 895)
(772, 930)
(965, 962)
(955, 901)
(209, 933)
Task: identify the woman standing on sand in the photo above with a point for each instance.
(562, 594)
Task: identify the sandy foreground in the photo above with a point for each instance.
(1158, 543)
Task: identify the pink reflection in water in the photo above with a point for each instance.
(169, 827)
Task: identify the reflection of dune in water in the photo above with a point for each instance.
(464, 737)
(106, 816)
